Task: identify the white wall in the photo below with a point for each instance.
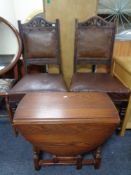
(13, 10)
(7, 11)
(24, 8)
(8, 43)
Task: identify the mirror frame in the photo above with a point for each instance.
(18, 54)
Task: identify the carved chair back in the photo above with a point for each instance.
(41, 42)
(94, 41)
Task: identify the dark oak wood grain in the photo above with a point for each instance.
(66, 124)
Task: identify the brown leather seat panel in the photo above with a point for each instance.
(94, 42)
(97, 82)
(40, 43)
(39, 82)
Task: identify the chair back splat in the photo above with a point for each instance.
(41, 42)
(94, 40)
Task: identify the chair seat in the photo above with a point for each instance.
(97, 82)
(39, 82)
(5, 85)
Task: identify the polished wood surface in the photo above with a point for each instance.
(46, 107)
(122, 70)
(66, 124)
(122, 48)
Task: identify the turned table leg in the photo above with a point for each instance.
(97, 158)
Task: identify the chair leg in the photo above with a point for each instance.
(79, 162)
(10, 113)
(36, 157)
(97, 157)
(126, 118)
(123, 108)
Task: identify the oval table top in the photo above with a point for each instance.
(57, 106)
(66, 123)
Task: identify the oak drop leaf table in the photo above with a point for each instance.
(67, 125)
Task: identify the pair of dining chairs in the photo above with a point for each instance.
(94, 41)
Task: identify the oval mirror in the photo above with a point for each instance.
(10, 46)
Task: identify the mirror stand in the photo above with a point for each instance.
(10, 52)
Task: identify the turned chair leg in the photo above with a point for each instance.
(123, 108)
(122, 113)
(10, 113)
(97, 158)
(79, 162)
(36, 157)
